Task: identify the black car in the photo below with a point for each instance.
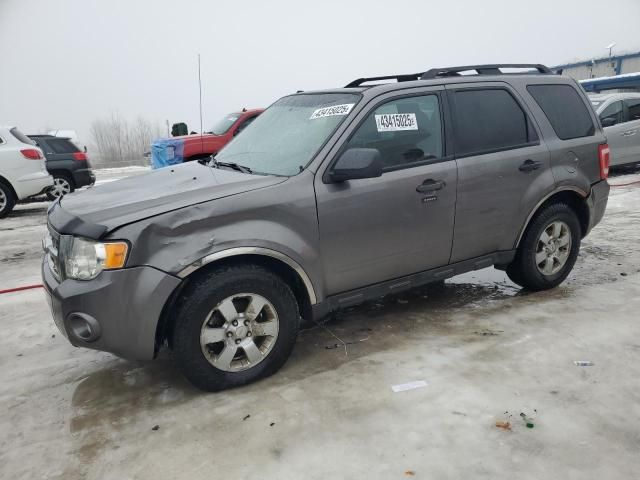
(67, 164)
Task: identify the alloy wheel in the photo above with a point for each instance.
(3, 200)
(239, 332)
(61, 187)
(553, 248)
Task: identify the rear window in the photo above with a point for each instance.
(489, 120)
(565, 110)
(61, 145)
(21, 136)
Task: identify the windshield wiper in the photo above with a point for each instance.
(235, 166)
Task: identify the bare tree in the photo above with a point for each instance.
(119, 142)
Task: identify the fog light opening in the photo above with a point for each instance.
(84, 327)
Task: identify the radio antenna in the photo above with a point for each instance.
(200, 89)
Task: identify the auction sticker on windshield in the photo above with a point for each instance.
(394, 122)
(343, 109)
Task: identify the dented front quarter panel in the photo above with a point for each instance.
(281, 217)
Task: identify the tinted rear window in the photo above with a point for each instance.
(489, 120)
(21, 136)
(62, 145)
(565, 110)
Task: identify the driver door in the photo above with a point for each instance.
(378, 229)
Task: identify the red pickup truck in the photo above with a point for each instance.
(201, 146)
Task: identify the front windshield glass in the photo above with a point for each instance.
(286, 136)
(225, 124)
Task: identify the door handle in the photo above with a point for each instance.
(628, 133)
(430, 185)
(530, 165)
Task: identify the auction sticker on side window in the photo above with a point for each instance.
(343, 109)
(394, 122)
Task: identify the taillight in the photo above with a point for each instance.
(79, 156)
(31, 154)
(604, 155)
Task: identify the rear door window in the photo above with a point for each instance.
(633, 104)
(489, 120)
(565, 109)
(61, 145)
(613, 114)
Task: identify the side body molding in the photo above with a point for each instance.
(267, 252)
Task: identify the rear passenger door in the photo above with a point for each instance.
(630, 134)
(500, 162)
(614, 112)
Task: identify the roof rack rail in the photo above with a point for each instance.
(399, 78)
(491, 69)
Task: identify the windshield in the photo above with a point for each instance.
(225, 124)
(284, 139)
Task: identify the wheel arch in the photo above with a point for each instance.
(576, 198)
(62, 173)
(6, 182)
(280, 264)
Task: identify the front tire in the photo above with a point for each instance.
(548, 250)
(7, 199)
(233, 326)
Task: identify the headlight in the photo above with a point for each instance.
(85, 259)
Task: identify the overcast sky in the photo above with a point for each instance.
(64, 63)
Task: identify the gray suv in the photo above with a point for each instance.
(329, 199)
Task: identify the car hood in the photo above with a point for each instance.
(102, 208)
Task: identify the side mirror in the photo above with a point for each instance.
(608, 121)
(357, 163)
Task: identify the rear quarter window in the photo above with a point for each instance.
(565, 110)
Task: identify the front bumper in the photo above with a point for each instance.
(597, 201)
(122, 306)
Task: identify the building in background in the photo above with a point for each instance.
(614, 73)
(602, 67)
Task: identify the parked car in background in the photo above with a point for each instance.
(68, 165)
(186, 148)
(330, 199)
(620, 117)
(22, 169)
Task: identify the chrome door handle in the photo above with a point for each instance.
(629, 133)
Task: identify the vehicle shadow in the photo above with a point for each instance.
(121, 388)
(119, 393)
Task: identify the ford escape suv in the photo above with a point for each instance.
(332, 198)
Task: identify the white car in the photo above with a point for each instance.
(23, 172)
(620, 117)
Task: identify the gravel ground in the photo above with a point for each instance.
(487, 352)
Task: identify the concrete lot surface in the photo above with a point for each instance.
(487, 352)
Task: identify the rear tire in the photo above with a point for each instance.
(548, 250)
(62, 185)
(7, 199)
(233, 326)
